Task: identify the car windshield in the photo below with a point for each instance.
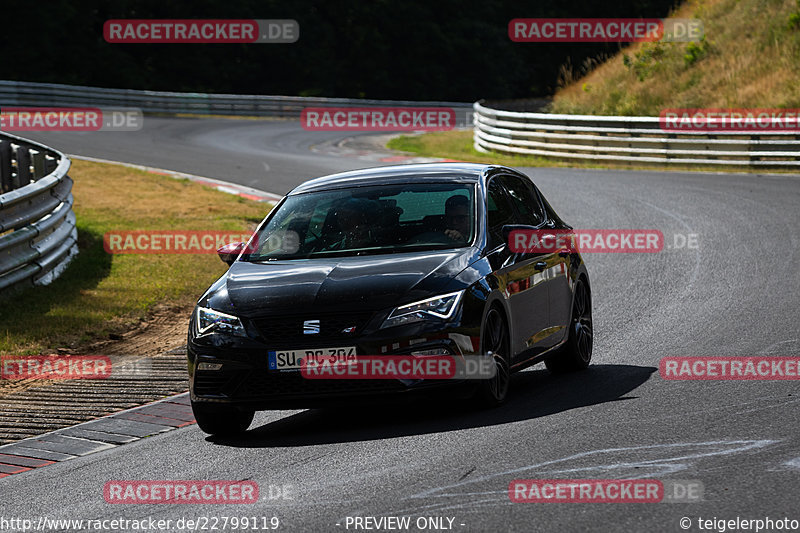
(368, 220)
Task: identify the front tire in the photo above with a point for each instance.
(576, 353)
(221, 419)
(494, 340)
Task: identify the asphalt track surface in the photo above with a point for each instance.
(734, 295)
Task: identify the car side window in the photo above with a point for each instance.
(498, 212)
(525, 199)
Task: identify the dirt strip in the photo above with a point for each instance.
(57, 404)
(147, 364)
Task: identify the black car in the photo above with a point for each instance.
(411, 260)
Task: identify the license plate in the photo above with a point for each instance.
(293, 359)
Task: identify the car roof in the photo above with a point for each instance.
(416, 173)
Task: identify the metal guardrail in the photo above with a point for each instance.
(38, 237)
(628, 140)
(23, 93)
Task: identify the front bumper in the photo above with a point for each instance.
(245, 379)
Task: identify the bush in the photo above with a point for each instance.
(646, 60)
(695, 51)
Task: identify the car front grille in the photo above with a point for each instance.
(288, 329)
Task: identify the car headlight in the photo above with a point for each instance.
(208, 320)
(439, 307)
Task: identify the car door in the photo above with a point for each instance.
(517, 277)
(545, 273)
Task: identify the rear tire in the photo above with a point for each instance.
(221, 419)
(494, 340)
(576, 353)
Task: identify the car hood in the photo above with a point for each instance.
(366, 283)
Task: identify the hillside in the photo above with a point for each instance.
(749, 57)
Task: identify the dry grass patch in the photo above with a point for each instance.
(748, 58)
(102, 295)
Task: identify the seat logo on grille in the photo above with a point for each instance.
(311, 327)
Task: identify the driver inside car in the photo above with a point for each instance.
(353, 226)
(456, 218)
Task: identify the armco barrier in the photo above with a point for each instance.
(37, 226)
(628, 140)
(30, 94)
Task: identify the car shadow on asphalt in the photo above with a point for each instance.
(534, 394)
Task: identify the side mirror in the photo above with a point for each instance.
(230, 252)
(508, 228)
(529, 240)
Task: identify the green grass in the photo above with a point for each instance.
(457, 145)
(99, 293)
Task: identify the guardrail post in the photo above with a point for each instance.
(751, 158)
(50, 164)
(5, 166)
(38, 164)
(23, 176)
